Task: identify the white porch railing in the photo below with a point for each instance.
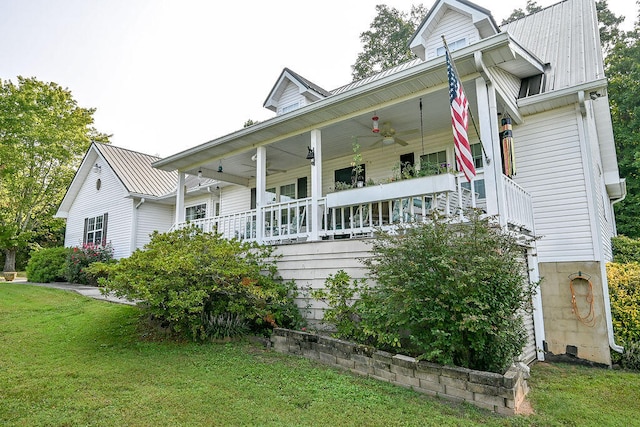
(519, 206)
(290, 221)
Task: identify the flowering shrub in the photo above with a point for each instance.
(79, 258)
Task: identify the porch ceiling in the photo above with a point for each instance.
(345, 117)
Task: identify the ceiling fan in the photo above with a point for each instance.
(270, 170)
(388, 135)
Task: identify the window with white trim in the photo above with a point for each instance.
(196, 212)
(458, 44)
(95, 230)
(290, 107)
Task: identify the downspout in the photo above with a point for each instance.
(603, 268)
(134, 227)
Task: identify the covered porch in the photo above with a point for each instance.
(359, 212)
(374, 154)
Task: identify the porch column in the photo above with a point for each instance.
(261, 187)
(316, 184)
(489, 133)
(180, 198)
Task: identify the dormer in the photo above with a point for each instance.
(293, 91)
(462, 23)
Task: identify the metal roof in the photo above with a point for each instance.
(135, 171)
(565, 36)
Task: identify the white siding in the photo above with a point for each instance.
(506, 83)
(310, 263)
(291, 95)
(111, 199)
(603, 205)
(152, 217)
(454, 26)
(234, 198)
(550, 167)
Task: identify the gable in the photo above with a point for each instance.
(293, 91)
(461, 22)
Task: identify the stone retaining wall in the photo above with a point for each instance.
(502, 394)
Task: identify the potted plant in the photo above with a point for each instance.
(356, 164)
(9, 276)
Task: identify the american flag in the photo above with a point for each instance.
(460, 123)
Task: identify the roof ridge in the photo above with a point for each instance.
(109, 145)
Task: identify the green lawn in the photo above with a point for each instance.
(66, 360)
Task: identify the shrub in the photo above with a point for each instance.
(630, 359)
(204, 286)
(625, 249)
(47, 265)
(624, 292)
(79, 258)
(451, 293)
(340, 294)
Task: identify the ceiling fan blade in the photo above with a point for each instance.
(401, 141)
(408, 132)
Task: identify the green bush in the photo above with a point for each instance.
(450, 293)
(80, 258)
(47, 265)
(204, 286)
(630, 359)
(624, 293)
(625, 249)
(340, 293)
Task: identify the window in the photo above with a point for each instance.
(196, 212)
(287, 192)
(478, 186)
(458, 44)
(406, 160)
(476, 153)
(531, 86)
(346, 175)
(290, 107)
(435, 162)
(95, 230)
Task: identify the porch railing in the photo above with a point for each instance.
(292, 221)
(519, 206)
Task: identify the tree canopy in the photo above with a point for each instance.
(623, 71)
(385, 44)
(531, 7)
(43, 135)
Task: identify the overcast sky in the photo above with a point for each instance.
(166, 75)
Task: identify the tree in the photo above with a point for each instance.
(385, 44)
(610, 32)
(624, 95)
(43, 135)
(531, 7)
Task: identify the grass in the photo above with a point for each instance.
(67, 360)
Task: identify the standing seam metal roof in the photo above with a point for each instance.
(135, 171)
(566, 36)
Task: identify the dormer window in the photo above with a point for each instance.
(289, 107)
(531, 86)
(458, 44)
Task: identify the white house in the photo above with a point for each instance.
(116, 197)
(556, 179)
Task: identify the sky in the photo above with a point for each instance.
(167, 75)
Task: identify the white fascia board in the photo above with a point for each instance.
(178, 161)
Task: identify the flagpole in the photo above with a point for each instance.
(473, 121)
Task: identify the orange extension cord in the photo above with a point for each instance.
(590, 318)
